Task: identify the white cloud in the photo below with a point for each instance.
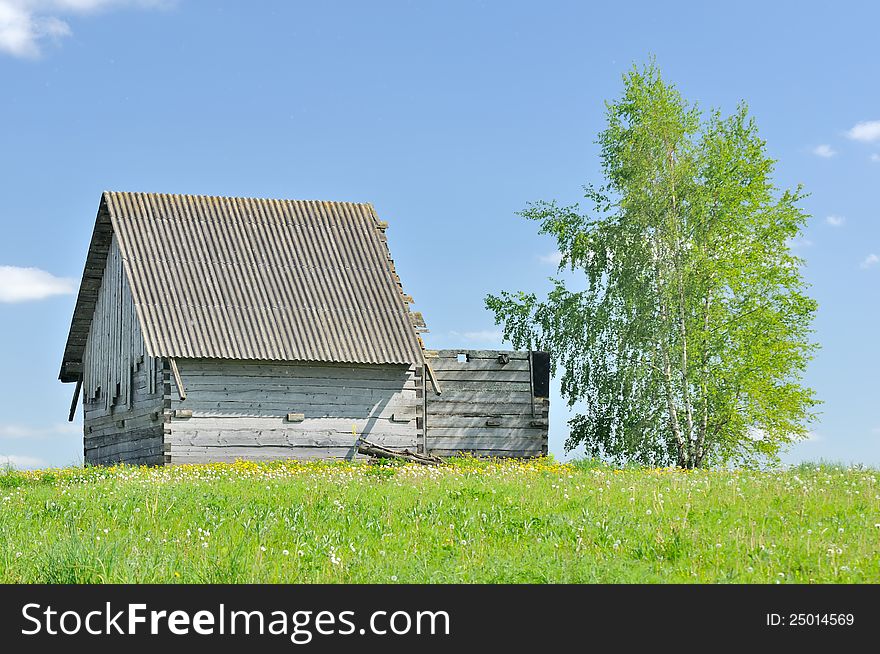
(23, 284)
(866, 131)
(835, 221)
(870, 261)
(553, 258)
(26, 24)
(21, 462)
(29, 431)
(824, 150)
(875, 157)
(481, 336)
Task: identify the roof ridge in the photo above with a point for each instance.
(235, 197)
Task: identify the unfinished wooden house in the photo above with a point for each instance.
(212, 329)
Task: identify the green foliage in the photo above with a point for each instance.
(691, 336)
(473, 521)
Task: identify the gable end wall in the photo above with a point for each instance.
(122, 385)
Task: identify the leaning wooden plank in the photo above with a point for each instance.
(75, 401)
(181, 391)
(374, 450)
(433, 376)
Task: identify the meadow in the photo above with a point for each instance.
(536, 521)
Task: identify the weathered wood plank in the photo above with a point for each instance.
(482, 375)
(462, 422)
(486, 386)
(477, 409)
(293, 396)
(338, 425)
(470, 397)
(268, 409)
(476, 365)
(91, 441)
(313, 385)
(127, 450)
(500, 443)
(485, 433)
(262, 370)
(514, 355)
(501, 454)
(231, 454)
(278, 438)
(178, 381)
(130, 415)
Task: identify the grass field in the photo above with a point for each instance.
(471, 521)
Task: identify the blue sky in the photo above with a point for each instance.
(448, 117)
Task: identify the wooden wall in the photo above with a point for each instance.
(122, 386)
(485, 407)
(239, 410)
(277, 410)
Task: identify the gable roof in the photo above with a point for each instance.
(256, 279)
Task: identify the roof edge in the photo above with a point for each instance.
(90, 285)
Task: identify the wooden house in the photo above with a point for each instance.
(213, 329)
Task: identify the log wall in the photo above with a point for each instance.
(486, 406)
(274, 410)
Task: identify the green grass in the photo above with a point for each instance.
(471, 521)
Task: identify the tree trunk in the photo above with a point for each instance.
(704, 373)
(685, 382)
(689, 437)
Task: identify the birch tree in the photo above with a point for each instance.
(689, 336)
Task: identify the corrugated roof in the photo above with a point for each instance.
(238, 278)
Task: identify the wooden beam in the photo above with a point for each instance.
(181, 391)
(75, 400)
(433, 377)
(380, 452)
(532, 384)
